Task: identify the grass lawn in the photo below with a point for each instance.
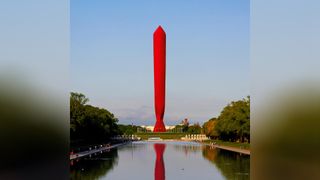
(169, 135)
(164, 135)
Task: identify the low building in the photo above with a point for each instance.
(150, 128)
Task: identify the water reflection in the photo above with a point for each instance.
(163, 160)
(188, 148)
(231, 165)
(94, 166)
(159, 170)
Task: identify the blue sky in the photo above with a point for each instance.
(207, 56)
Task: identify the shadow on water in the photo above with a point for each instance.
(232, 165)
(94, 167)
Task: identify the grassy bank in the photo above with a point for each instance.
(230, 144)
(165, 135)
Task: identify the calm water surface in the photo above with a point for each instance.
(163, 160)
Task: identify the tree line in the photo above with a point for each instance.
(90, 123)
(93, 124)
(189, 129)
(233, 123)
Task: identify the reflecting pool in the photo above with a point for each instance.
(162, 160)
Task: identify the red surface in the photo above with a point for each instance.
(159, 56)
(159, 170)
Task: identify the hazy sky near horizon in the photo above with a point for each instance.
(207, 56)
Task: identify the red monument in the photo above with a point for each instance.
(159, 57)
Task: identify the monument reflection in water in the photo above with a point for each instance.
(159, 170)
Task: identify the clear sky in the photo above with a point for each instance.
(207, 56)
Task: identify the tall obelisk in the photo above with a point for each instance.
(159, 57)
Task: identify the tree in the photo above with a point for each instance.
(77, 103)
(185, 122)
(234, 121)
(128, 129)
(194, 129)
(182, 127)
(209, 128)
(90, 123)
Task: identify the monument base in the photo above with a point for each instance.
(159, 127)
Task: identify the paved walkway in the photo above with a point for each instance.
(86, 153)
(234, 149)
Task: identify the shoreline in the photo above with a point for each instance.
(86, 153)
(229, 148)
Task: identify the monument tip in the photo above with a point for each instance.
(160, 29)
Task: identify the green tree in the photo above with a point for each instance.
(90, 123)
(77, 112)
(194, 129)
(234, 121)
(128, 129)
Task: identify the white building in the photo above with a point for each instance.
(150, 128)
